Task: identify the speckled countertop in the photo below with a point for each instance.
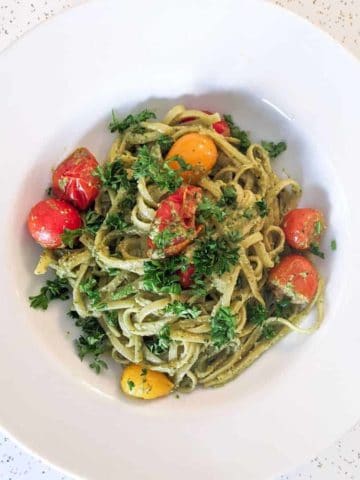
(340, 18)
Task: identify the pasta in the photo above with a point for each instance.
(126, 272)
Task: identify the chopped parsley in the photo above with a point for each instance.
(268, 332)
(222, 327)
(262, 208)
(165, 142)
(208, 209)
(228, 198)
(214, 255)
(333, 245)
(161, 342)
(274, 149)
(315, 250)
(92, 221)
(234, 237)
(116, 221)
(256, 313)
(123, 292)
(163, 239)
(92, 342)
(248, 214)
(149, 166)
(90, 288)
(318, 227)
(48, 191)
(58, 288)
(241, 135)
(69, 237)
(160, 276)
(113, 175)
(283, 308)
(130, 384)
(117, 125)
(182, 310)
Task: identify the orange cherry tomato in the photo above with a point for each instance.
(49, 218)
(198, 151)
(303, 227)
(296, 277)
(177, 214)
(73, 179)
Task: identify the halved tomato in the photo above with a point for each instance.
(177, 216)
(303, 227)
(295, 277)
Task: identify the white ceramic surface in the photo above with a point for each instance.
(61, 98)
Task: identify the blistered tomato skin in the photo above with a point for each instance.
(177, 212)
(303, 227)
(49, 218)
(73, 179)
(295, 277)
(198, 151)
(141, 382)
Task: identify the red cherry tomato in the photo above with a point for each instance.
(221, 127)
(302, 227)
(49, 218)
(73, 179)
(177, 213)
(296, 277)
(186, 277)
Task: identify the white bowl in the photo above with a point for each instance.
(280, 78)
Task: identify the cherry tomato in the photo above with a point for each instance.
(73, 179)
(49, 218)
(177, 214)
(221, 127)
(186, 277)
(302, 227)
(198, 151)
(296, 277)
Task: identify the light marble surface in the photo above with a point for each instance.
(341, 19)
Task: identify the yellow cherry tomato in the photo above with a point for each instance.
(138, 381)
(198, 151)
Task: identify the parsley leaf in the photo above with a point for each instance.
(165, 142)
(333, 245)
(123, 292)
(58, 288)
(117, 125)
(268, 332)
(148, 165)
(315, 250)
(283, 308)
(207, 209)
(248, 214)
(256, 313)
(182, 310)
(274, 149)
(262, 208)
(214, 256)
(69, 237)
(228, 197)
(164, 238)
(89, 288)
(160, 276)
(222, 327)
(113, 175)
(241, 135)
(92, 341)
(130, 384)
(116, 222)
(161, 342)
(93, 221)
